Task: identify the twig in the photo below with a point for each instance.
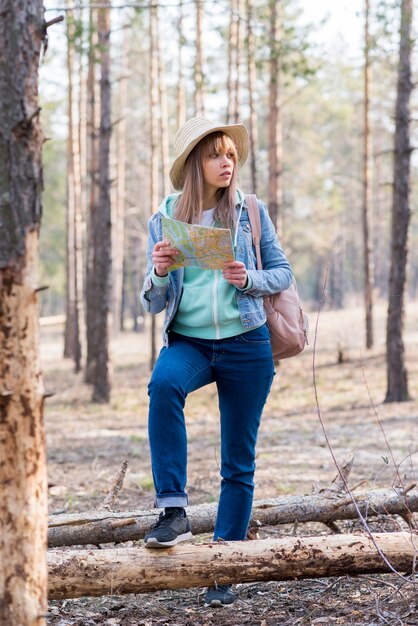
(55, 20)
(331, 451)
(114, 490)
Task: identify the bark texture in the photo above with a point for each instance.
(251, 74)
(102, 234)
(198, 64)
(397, 377)
(23, 494)
(99, 527)
(275, 151)
(366, 214)
(78, 573)
(93, 124)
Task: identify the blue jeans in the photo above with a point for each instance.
(242, 368)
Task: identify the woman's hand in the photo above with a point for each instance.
(163, 256)
(235, 273)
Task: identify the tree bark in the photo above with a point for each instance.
(275, 121)
(23, 491)
(102, 235)
(397, 377)
(93, 123)
(198, 66)
(119, 211)
(232, 54)
(77, 573)
(99, 527)
(75, 282)
(367, 238)
(251, 71)
(163, 107)
(153, 33)
(181, 89)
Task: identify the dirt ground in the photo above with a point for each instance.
(87, 444)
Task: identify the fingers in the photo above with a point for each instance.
(235, 273)
(163, 256)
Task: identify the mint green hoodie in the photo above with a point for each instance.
(208, 307)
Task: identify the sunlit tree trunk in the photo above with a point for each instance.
(23, 491)
(275, 196)
(162, 102)
(93, 122)
(181, 89)
(232, 53)
(81, 209)
(238, 64)
(75, 218)
(153, 141)
(367, 237)
(71, 330)
(397, 377)
(102, 235)
(198, 67)
(251, 73)
(120, 193)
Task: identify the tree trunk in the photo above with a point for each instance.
(102, 235)
(153, 143)
(23, 493)
(75, 287)
(162, 102)
(77, 573)
(367, 238)
(98, 527)
(251, 71)
(93, 122)
(274, 120)
(181, 89)
(119, 212)
(238, 63)
(198, 66)
(232, 53)
(70, 331)
(397, 378)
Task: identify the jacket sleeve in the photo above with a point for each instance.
(153, 298)
(276, 274)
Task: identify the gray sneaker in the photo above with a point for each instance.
(219, 595)
(170, 529)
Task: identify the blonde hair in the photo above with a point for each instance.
(189, 205)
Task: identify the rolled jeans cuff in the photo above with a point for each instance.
(171, 500)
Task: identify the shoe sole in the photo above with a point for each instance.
(154, 543)
(216, 604)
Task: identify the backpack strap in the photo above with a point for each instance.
(254, 216)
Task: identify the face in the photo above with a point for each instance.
(218, 165)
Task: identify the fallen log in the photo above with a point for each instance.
(117, 571)
(98, 527)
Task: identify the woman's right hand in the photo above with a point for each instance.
(163, 256)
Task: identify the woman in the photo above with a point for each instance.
(214, 331)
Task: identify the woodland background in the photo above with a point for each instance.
(115, 82)
(321, 108)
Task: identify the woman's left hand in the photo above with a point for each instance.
(235, 273)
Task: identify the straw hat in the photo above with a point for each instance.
(189, 135)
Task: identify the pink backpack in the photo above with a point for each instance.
(287, 322)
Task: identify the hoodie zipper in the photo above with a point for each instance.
(215, 303)
(216, 275)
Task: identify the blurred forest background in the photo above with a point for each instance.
(315, 84)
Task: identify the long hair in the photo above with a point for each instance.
(190, 203)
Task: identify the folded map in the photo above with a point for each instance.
(198, 246)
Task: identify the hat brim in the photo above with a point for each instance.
(237, 132)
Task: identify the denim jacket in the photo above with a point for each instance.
(275, 276)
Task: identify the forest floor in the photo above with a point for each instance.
(87, 444)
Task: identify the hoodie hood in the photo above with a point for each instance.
(167, 206)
